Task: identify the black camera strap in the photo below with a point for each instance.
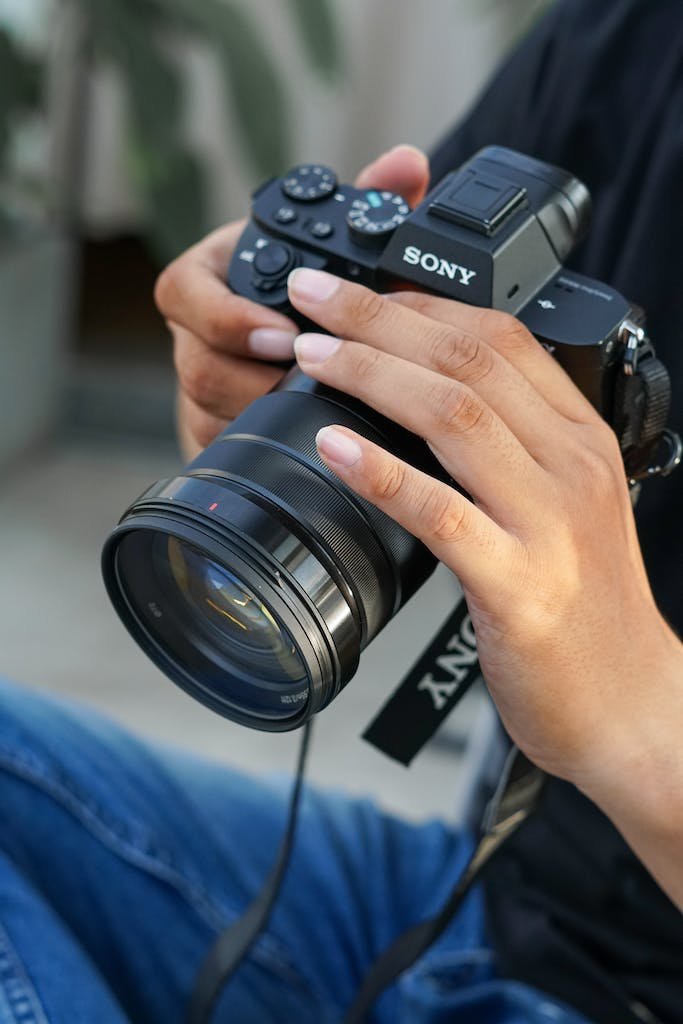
(516, 797)
(429, 691)
(233, 944)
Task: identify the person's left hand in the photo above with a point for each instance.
(568, 633)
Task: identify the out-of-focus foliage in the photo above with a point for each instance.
(138, 36)
(19, 94)
(319, 35)
(143, 40)
(18, 86)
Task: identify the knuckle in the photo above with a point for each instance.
(419, 302)
(507, 332)
(608, 441)
(443, 518)
(461, 355)
(456, 409)
(215, 328)
(206, 430)
(367, 364)
(196, 428)
(389, 481)
(195, 376)
(599, 466)
(366, 307)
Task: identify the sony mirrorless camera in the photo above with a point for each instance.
(255, 578)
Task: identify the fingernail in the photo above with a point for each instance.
(312, 285)
(315, 348)
(271, 343)
(337, 447)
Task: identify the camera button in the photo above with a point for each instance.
(273, 260)
(285, 215)
(321, 229)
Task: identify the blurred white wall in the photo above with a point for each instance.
(411, 70)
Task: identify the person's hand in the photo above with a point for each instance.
(223, 343)
(570, 641)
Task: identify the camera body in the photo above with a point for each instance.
(255, 578)
(493, 233)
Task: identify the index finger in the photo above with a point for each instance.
(192, 291)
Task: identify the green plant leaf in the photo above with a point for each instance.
(129, 35)
(257, 93)
(170, 178)
(318, 28)
(136, 37)
(175, 198)
(254, 87)
(20, 86)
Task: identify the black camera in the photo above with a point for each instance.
(255, 578)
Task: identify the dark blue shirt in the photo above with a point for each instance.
(597, 88)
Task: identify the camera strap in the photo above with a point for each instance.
(429, 691)
(515, 798)
(233, 944)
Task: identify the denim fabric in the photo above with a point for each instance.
(120, 862)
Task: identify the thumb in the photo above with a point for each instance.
(404, 169)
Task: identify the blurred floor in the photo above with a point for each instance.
(58, 632)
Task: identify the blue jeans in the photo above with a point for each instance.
(120, 862)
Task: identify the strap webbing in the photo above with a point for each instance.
(233, 944)
(516, 797)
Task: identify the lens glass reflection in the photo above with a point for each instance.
(213, 625)
(238, 620)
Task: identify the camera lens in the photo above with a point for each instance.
(208, 624)
(228, 614)
(255, 578)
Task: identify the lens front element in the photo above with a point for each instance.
(226, 610)
(210, 630)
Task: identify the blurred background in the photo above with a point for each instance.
(128, 128)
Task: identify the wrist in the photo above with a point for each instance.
(635, 774)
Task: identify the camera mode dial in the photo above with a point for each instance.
(309, 182)
(376, 215)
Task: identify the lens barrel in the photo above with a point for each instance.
(255, 578)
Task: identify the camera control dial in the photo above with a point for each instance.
(272, 263)
(373, 217)
(309, 182)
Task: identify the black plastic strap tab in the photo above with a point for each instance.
(429, 691)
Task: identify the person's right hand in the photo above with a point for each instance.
(225, 345)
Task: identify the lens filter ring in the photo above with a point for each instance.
(249, 680)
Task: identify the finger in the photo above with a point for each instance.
(196, 428)
(467, 437)
(512, 341)
(357, 312)
(192, 292)
(404, 170)
(480, 553)
(209, 377)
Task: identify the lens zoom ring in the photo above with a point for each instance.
(318, 505)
